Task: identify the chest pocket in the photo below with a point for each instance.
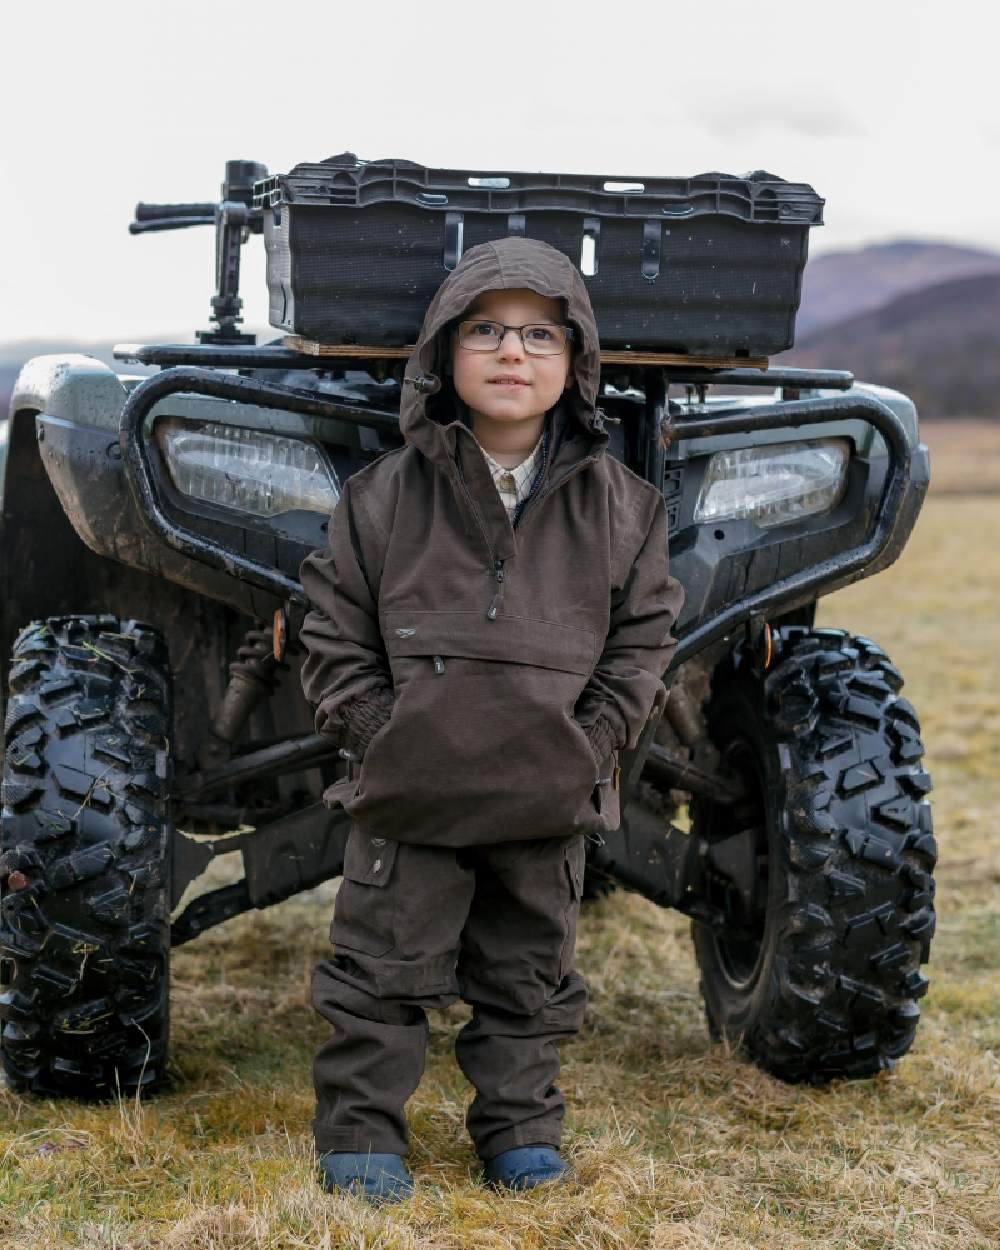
(519, 640)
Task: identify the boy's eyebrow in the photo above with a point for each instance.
(539, 321)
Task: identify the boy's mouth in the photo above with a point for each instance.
(508, 379)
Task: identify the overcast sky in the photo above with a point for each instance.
(887, 107)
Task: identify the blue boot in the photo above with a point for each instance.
(379, 1178)
(525, 1167)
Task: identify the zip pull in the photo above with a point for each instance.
(439, 665)
(497, 602)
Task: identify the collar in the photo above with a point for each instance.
(522, 473)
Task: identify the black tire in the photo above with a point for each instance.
(84, 945)
(824, 978)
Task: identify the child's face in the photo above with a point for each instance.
(509, 384)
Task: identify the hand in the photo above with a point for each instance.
(602, 740)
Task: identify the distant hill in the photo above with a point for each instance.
(917, 315)
(940, 345)
(837, 285)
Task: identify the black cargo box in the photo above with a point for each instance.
(710, 265)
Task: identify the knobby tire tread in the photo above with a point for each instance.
(84, 949)
(853, 920)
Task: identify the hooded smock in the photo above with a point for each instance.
(488, 673)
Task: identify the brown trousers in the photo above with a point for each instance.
(420, 926)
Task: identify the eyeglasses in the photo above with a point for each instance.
(538, 339)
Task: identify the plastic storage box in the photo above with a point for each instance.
(710, 265)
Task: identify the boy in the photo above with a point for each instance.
(490, 627)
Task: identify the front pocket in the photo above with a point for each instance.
(581, 735)
(575, 865)
(607, 794)
(482, 745)
(370, 754)
(341, 792)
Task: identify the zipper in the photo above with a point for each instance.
(497, 601)
(535, 489)
(496, 565)
(475, 512)
(439, 665)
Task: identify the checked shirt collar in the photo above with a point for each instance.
(513, 485)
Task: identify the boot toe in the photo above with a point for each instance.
(525, 1167)
(379, 1178)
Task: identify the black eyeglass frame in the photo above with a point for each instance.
(485, 321)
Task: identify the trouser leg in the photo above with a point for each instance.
(368, 1068)
(515, 968)
(396, 929)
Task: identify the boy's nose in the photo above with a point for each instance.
(511, 347)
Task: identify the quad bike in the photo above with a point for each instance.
(152, 530)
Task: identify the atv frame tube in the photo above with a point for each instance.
(785, 414)
(788, 591)
(142, 479)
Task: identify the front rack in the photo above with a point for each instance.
(285, 356)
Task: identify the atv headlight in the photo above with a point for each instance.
(248, 470)
(774, 485)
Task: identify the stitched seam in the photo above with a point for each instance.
(373, 520)
(626, 530)
(496, 256)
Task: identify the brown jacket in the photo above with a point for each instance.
(489, 674)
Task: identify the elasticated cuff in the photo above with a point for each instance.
(602, 738)
(355, 722)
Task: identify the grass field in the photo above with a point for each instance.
(677, 1144)
(965, 456)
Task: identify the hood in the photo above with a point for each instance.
(504, 264)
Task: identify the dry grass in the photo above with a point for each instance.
(676, 1143)
(965, 455)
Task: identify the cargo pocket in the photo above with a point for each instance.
(574, 866)
(607, 793)
(364, 913)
